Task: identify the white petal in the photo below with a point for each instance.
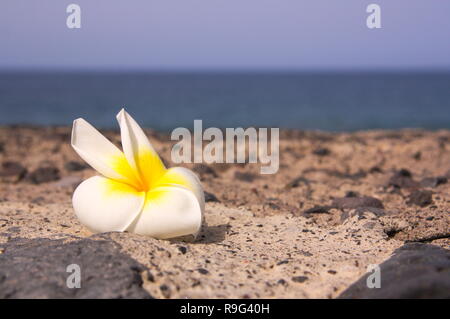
(138, 150)
(186, 178)
(104, 205)
(169, 212)
(100, 153)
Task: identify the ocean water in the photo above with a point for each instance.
(325, 101)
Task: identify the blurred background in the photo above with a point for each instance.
(310, 64)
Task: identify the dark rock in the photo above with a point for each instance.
(305, 253)
(12, 172)
(273, 206)
(299, 279)
(37, 268)
(165, 290)
(433, 181)
(150, 276)
(417, 156)
(74, 166)
(403, 179)
(209, 197)
(182, 249)
(335, 173)
(322, 151)
(203, 271)
(357, 175)
(374, 210)
(282, 282)
(44, 175)
(375, 169)
(204, 170)
(317, 210)
(351, 194)
(403, 172)
(245, 177)
(356, 202)
(297, 181)
(415, 270)
(420, 198)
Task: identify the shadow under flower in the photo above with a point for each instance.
(208, 235)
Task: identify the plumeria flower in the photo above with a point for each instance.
(134, 192)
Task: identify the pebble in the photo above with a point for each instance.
(44, 175)
(420, 198)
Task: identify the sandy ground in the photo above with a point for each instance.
(338, 203)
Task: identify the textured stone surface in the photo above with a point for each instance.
(36, 268)
(257, 239)
(414, 271)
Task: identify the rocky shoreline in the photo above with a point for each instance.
(339, 202)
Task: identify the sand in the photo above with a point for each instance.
(340, 202)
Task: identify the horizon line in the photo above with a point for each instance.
(224, 70)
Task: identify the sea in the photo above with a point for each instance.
(329, 101)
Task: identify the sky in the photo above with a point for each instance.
(225, 34)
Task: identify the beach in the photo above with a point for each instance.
(339, 203)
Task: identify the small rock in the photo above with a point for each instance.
(150, 276)
(273, 206)
(44, 175)
(204, 170)
(182, 249)
(296, 182)
(245, 177)
(282, 282)
(433, 181)
(305, 253)
(317, 210)
(420, 198)
(74, 166)
(165, 290)
(209, 197)
(299, 279)
(369, 225)
(351, 194)
(322, 151)
(375, 169)
(12, 172)
(203, 271)
(356, 202)
(403, 179)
